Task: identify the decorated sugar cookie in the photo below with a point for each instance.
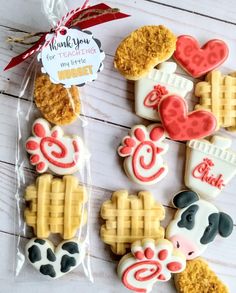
(197, 60)
(54, 262)
(196, 224)
(51, 149)
(150, 89)
(149, 262)
(143, 150)
(198, 277)
(210, 165)
(183, 125)
(143, 49)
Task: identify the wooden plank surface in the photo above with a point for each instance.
(110, 113)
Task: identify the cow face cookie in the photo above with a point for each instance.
(158, 83)
(210, 165)
(57, 104)
(51, 150)
(183, 125)
(143, 49)
(54, 262)
(196, 224)
(143, 150)
(198, 277)
(197, 60)
(149, 262)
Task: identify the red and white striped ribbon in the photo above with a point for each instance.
(59, 25)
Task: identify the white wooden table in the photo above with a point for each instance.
(111, 114)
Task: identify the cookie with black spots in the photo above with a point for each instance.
(54, 262)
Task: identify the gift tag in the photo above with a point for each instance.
(71, 57)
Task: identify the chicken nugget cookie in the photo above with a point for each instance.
(198, 277)
(58, 104)
(143, 49)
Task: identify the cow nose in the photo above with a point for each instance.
(185, 245)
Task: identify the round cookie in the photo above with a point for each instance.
(58, 104)
(143, 49)
(198, 277)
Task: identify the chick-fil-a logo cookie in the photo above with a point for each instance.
(72, 57)
(50, 149)
(143, 150)
(153, 98)
(148, 263)
(202, 172)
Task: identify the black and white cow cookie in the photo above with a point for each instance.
(54, 262)
(196, 224)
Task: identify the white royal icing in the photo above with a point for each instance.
(143, 150)
(201, 222)
(51, 149)
(149, 262)
(210, 165)
(49, 261)
(158, 83)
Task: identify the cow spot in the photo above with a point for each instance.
(66, 263)
(71, 247)
(48, 270)
(40, 241)
(34, 253)
(50, 255)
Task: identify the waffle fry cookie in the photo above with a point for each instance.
(58, 105)
(55, 205)
(130, 218)
(218, 95)
(198, 277)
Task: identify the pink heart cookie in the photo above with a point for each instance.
(181, 125)
(197, 60)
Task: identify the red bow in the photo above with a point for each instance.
(89, 18)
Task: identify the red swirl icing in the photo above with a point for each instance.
(51, 157)
(137, 270)
(138, 160)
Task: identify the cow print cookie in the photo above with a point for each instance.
(54, 262)
(143, 150)
(51, 149)
(196, 224)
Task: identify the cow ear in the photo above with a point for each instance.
(225, 225)
(185, 198)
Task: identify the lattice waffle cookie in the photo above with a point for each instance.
(58, 105)
(55, 205)
(218, 95)
(130, 218)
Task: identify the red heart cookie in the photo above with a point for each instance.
(181, 125)
(198, 61)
